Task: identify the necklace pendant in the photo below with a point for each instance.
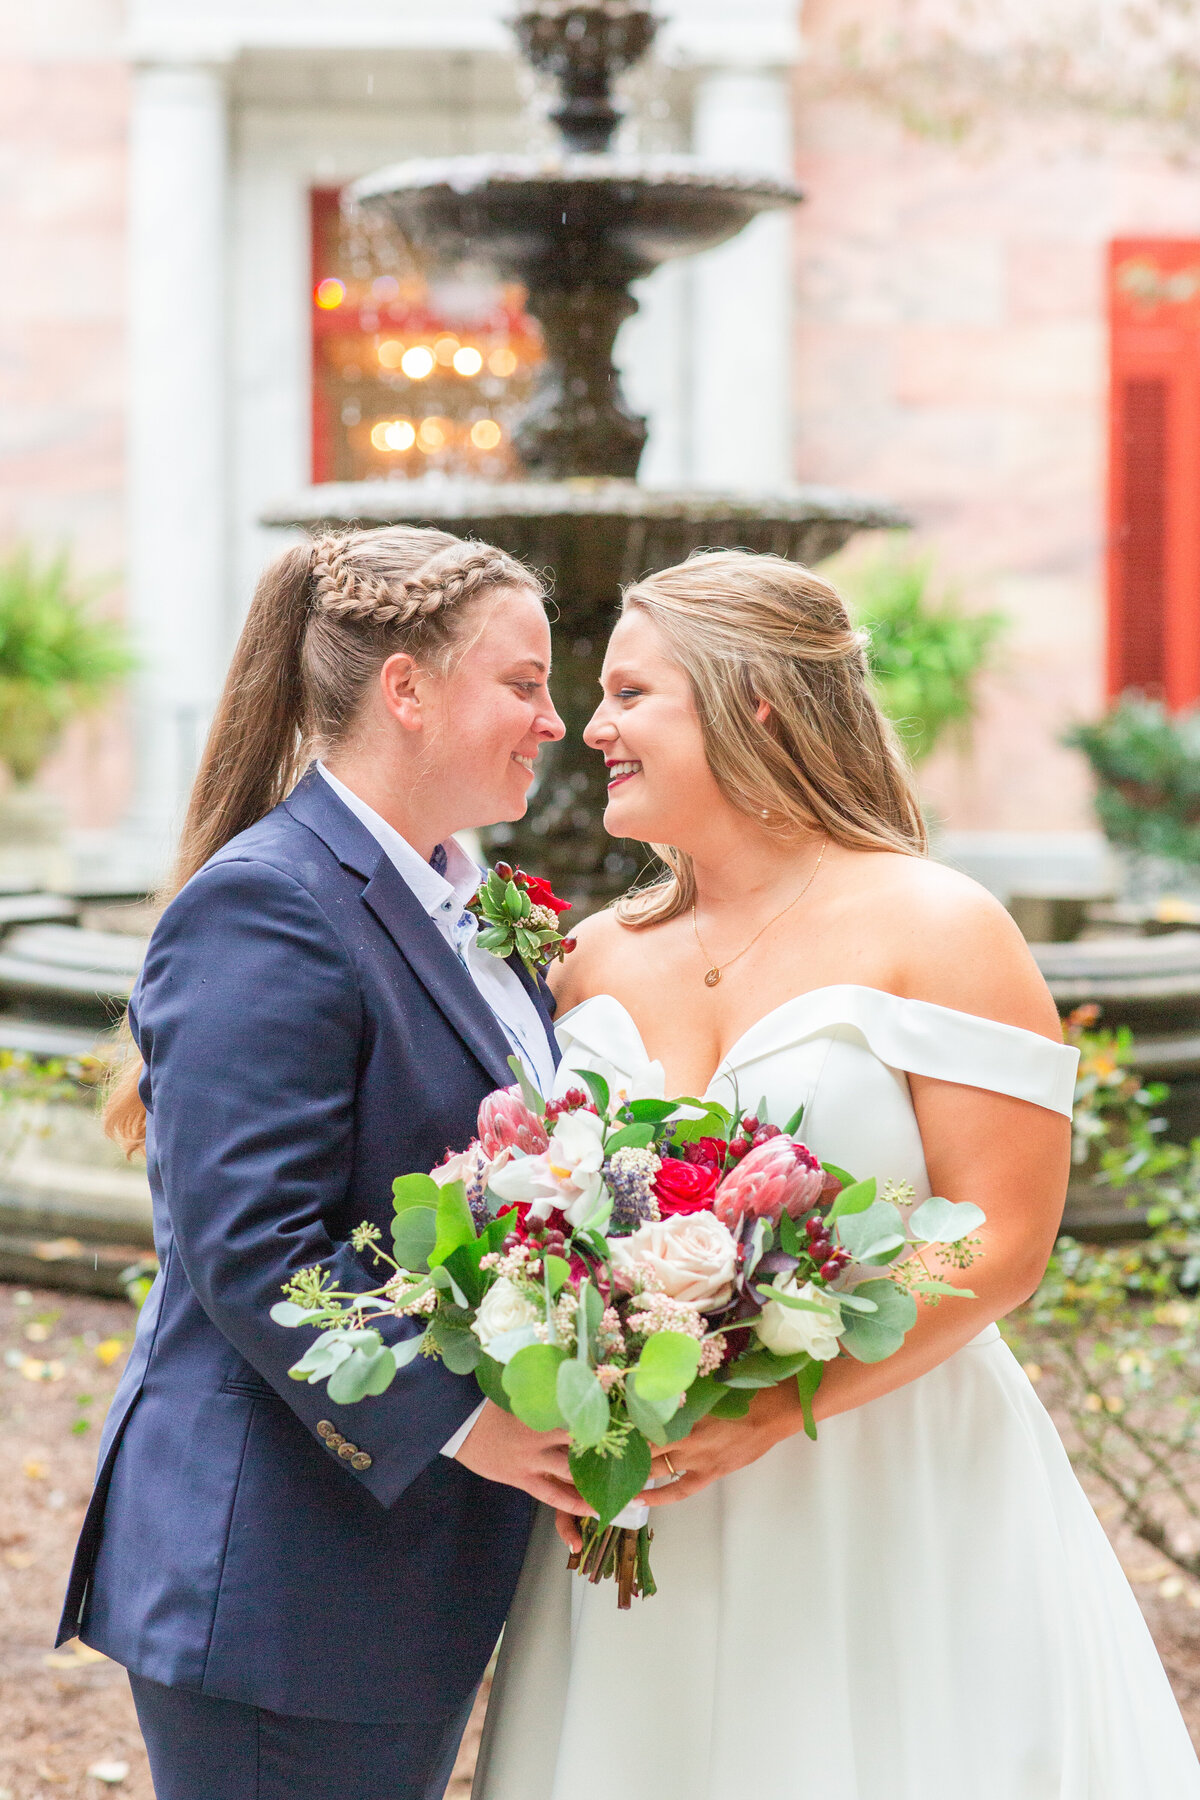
(712, 978)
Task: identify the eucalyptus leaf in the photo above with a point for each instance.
(557, 1272)
(942, 1287)
(938, 1221)
(874, 1235)
(531, 1383)
(667, 1366)
(367, 1370)
(489, 1376)
(853, 1199)
(853, 1301)
(583, 1404)
(648, 1418)
(872, 1337)
(414, 1233)
(460, 1349)
(286, 1312)
(608, 1483)
(505, 1345)
(731, 1405)
(415, 1190)
(701, 1398)
(828, 1308)
(760, 1368)
(408, 1349)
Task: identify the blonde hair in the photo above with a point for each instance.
(752, 629)
(325, 617)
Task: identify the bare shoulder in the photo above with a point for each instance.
(955, 945)
(598, 941)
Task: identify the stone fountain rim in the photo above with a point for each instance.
(476, 174)
(440, 497)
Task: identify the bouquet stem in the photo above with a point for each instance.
(616, 1554)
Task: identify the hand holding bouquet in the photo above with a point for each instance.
(619, 1265)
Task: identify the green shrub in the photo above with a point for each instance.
(926, 653)
(1147, 766)
(58, 656)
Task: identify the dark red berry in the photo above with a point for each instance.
(764, 1133)
(830, 1269)
(504, 871)
(750, 1125)
(738, 1148)
(814, 1227)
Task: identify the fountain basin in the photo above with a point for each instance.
(594, 536)
(619, 215)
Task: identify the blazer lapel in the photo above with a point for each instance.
(416, 937)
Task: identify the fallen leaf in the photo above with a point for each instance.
(108, 1351)
(19, 1559)
(1171, 1588)
(35, 1470)
(112, 1772)
(1149, 1572)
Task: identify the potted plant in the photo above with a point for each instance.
(59, 656)
(926, 653)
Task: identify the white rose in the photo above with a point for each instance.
(504, 1308)
(693, 1256)
(565, 1177)
(787, 1330)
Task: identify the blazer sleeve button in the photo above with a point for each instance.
(346, 1450)
(325, 1428)
(360, 1460)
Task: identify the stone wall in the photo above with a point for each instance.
(951, 353)
(63, 109)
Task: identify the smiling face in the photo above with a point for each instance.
(660, 787)
(496, 711)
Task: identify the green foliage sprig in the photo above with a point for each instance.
(58, 655)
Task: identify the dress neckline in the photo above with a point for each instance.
(798, 1000)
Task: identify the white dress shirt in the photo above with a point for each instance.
(444, 898)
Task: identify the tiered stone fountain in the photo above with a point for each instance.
(577, 229)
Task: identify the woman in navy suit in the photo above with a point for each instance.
(306, 1595)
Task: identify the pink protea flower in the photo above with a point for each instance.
(777, 1176)
(506, 1123)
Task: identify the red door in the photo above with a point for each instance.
(1154, 469)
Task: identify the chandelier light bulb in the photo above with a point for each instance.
(417, 362)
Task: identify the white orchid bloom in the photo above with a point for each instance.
(565, 1177)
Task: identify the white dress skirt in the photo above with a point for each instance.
(919, 1606)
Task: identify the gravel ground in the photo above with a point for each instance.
(67, 1725)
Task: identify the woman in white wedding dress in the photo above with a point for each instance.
(921, 1605)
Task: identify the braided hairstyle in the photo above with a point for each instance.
(325, 617)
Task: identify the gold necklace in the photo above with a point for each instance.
(716, 970)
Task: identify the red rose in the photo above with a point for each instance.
(541, 894)
(709, 1152)
(684, 1187)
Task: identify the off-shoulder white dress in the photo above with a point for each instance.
(919, 1606)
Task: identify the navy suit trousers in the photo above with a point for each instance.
(202, 1748)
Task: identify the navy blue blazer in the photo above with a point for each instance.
(308, 1034)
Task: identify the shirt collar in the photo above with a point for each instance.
(432, 890)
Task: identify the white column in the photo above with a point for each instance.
(177, 436)
(741, 409)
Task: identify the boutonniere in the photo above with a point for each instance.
(520, 912)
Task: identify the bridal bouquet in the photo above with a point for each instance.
(618, 1265)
